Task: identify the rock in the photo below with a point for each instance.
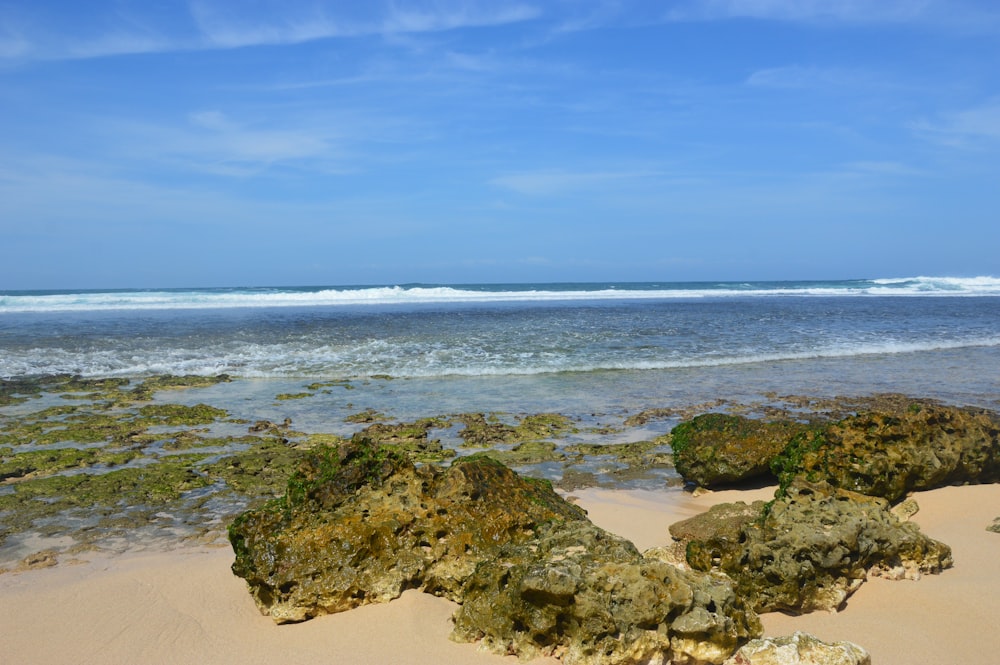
(810, 549)
(715, 449)
(361, 524)
(906, 509)
(411, 438)
(799, 649)
(583, 595)
(43, 559)
(722, 522)
(889, 454)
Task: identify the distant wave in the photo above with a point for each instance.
(169, 299)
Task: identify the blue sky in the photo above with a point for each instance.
(237, 142)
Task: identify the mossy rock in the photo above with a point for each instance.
(155, 485)
(47, 462)
(180, 414)
(808, 549)
(411, 438)
(361, 523)
(529, 452)
(889, 454)
(589, 597)
(717, 449)
(482, 431)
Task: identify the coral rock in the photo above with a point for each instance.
(586, 596)
(810, 549)
(799, 649)
(715, 449)
(362, 525)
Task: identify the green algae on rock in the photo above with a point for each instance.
(584, 595)
(717, 449)
(890, 453)
(361, 524)
(99, 494)
(483, 431)
(412, 438)
(808, 549)
(105, 465)
(148, 387)
(180, 414)
(283, 397)
(528, 452)
(366, 416)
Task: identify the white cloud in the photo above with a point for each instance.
(210, 141)
(232, 27)
(543, 183)
(223, 26)
(966, 128)
(14, 46)
(881, 168)
(461, 15)
(98, 31)
(225, 142)
(852, 11)
(799, 77)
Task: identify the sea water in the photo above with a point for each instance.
(572, 348)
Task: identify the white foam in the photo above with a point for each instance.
(377, 357)
(398, 295)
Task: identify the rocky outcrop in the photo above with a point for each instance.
(799, 649)
(586, 596)
(809, 549)
(360, 524)
(888, 454)
(716, 449)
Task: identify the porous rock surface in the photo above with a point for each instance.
(586, 596)
(884, 452)
(360, 524)
(809, 549)
(799, 649)
(717, 449)
(889, 454)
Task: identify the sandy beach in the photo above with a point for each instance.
(185, 606)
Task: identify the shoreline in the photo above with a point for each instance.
(185, 605)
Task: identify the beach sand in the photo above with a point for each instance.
(185, 606)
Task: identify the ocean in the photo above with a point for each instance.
(518, 347)
(590, 351)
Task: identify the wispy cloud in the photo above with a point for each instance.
(849, 11)
(223, 24)
(964, 128)
(12, 44)
(212, 142)
(229, 26)
(882, 168)
(798, 77)
(458, 15)
(546, 183)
